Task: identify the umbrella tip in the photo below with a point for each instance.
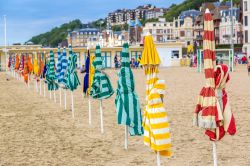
(207, 10)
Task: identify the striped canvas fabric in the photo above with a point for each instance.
(64, 65)
(212, 111)
(25, 69)
(50, 74)
(58, 65)
(206, 106)
(127, 102)
(71, 76)
(101, 87)
(155, 120)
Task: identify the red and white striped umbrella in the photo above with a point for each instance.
(213, 111)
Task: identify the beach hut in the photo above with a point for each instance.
(155, 120)
(213, 112)
(127, 103)
(101, 87)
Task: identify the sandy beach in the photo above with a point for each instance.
(36, 131)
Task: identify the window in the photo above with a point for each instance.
(245, 5)
(246, 36)
(154, 25)
(246, 20)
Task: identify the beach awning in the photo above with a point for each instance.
(101, 87)
(155, 120)
(127, 102)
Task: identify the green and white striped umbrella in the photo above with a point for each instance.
(50, 74)
(71, 77)
(127, 102)
(101, 87)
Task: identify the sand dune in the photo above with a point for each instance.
(36, 131)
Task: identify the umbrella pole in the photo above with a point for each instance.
(65, 99)
(214, 154)
(44, 92)
(55, 94)
(40, 87)
(126, 137)
(28, 81)
(36, 86)
(90, 118)
(60, 93)
(72, 104)
(101, 117)
(158, 158)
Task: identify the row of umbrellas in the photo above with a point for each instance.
(212, 111)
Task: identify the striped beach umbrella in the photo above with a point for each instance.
(25, 70)
(36, 67)
(64, 64)
(101, 87)
(72, 80)
(213, 111)
(155, 120)
(50, 74)
(127, 102)
(71, 76)
(58, 65)
(210, 110)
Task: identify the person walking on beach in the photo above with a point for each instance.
(248, 66)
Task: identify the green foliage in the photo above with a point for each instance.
(175, 10)
(116, 28)
(57, 34)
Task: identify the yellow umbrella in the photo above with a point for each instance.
(155, 121)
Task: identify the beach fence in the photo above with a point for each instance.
(223, 56)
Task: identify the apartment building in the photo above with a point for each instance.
(246, 26)
(226, 26)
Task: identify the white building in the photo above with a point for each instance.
(226, 27)
(246, 26)
(161, 31)
(154, 13)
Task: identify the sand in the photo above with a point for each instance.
(36, 131)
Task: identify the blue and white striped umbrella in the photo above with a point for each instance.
(58, 65)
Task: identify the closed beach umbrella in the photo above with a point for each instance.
(155, 120)
(64, 63)
(58, 65)
(88, 79)
(101, 87)
(213, 111)
(36, 67)
(50, 74)
(71, 77)
(17, 63)
(127, 102)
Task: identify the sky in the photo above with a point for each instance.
(27, 18)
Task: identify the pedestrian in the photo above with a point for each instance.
(116, 62)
